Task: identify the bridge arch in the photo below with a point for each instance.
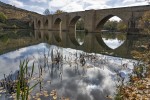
(46, 23)
(57, 24)
(73, 22)
(72, 29)
(57, 27)
(104, 19)
(39, 24)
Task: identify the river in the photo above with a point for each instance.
(90, 66)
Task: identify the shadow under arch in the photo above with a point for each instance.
(72, 30)
(74, 21)
(46, 23)
(37, 34)
(57, 29)
(57, 36)
(57, 24)
(39, 24)
(101, 23)
(46, 36)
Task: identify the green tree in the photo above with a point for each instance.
(110, 25)
(115, 26)
(80, 24)
(144, 22)
(121, 26)
(59, 12)
(3, 17)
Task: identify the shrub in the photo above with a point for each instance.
(144, 23)
(14, 26)
(3, 17)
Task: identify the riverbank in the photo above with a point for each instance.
(138, 88)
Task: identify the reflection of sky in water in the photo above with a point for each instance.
(76, 82)
(113, 43)
(81, 41)
(80, 37)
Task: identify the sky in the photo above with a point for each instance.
(72, 5)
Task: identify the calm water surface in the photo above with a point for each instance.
(104, 55)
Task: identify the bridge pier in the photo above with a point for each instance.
(133, 31)
(89, 21)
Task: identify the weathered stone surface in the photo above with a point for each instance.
(93, 19)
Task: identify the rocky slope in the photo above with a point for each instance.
(13, 12)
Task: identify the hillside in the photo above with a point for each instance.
(16, 18)
(13, 12)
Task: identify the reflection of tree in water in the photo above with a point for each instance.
(80, 35)
(10, 40)
(14, 34)
(118, 36)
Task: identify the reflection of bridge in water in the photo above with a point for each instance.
(92, 43)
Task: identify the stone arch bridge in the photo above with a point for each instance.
(93, 19)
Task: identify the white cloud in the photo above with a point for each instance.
(136, 3)
(77, 5)
(81, 5)
(97, 7)
(126, 3)
(16, 3)
(58, 3)
(37, 9)
(72, 7)
(39, 1)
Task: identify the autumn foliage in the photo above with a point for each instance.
(144, 23)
